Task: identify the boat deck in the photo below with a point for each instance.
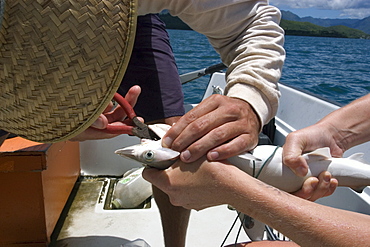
(88, 221)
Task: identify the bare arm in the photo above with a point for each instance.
(204, 184)
(340, 130)
(305, 222)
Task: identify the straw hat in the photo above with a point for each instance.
(61, 61)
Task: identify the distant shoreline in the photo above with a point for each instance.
(290, 27)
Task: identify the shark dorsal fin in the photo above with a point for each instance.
(319, 154)
(159, 129)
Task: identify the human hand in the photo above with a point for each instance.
(109, 116)
(219, 127)
(306, 140)
(197, 185)
(314, 188)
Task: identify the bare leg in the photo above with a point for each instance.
(174, 220)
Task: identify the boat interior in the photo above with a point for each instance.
(85, 216)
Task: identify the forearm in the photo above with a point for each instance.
(204, 184)
(349, 125)
(255, 69)
(306, 223)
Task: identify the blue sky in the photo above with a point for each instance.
(357, 9)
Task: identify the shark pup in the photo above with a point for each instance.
(265, 163)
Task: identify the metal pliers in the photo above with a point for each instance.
(138, 128)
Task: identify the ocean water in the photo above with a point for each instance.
(333, 68)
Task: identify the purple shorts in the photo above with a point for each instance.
(152, 66)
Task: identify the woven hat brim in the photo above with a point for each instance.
(61, 63)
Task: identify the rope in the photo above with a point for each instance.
(240, 229)
(231, 228)
(265, 163)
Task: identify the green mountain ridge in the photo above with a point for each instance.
(291, 27)
(361, 24)
(309, 29)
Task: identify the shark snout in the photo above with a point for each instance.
(126, 152)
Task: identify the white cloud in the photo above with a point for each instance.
(348, 8)
(356, 13)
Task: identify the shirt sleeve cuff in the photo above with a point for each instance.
(256, 99)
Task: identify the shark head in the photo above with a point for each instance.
(150, 153)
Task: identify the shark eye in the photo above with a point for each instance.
(149, 155)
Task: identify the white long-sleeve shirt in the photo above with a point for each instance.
(247, 36)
